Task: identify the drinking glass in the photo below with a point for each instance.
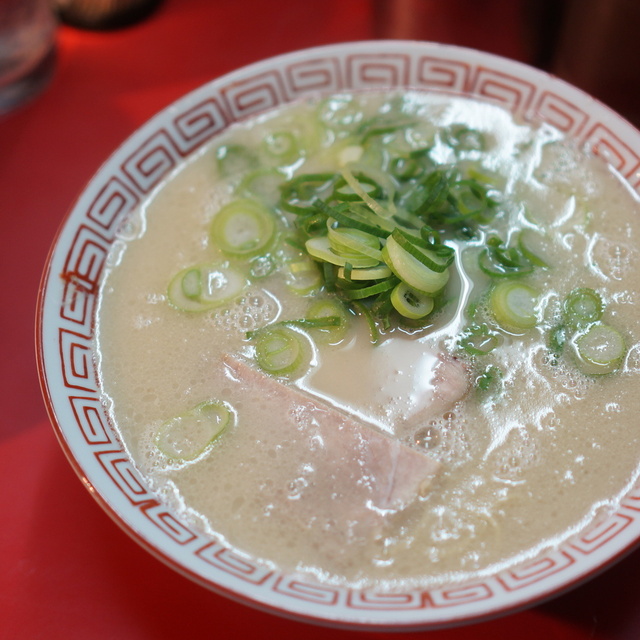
(27, 50)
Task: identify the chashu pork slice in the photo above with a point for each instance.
(353, 464)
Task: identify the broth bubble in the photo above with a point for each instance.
(427, 437)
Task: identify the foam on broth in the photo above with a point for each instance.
(524, 469)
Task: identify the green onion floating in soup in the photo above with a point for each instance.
(363, 281)
(187, 436)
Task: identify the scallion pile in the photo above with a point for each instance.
(377, 236)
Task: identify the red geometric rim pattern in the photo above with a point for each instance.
(179, 135)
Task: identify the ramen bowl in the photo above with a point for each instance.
(70, 293)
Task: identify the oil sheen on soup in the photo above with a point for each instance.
(380, 339)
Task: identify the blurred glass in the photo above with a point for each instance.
(27, 50)
(103, 15)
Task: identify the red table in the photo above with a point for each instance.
(66, 570)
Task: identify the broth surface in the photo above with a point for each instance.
(524, 467)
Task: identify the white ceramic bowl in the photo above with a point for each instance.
(68, 303)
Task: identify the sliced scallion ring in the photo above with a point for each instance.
(410, 270)
(366, 186)
(235, 159)
(364, 221)
(303, 276)
(490, 379)
(411, 303)
(380, 272)
(354, 243)
(280, 351)
(329, 308)
(532, 245)
(262, 184)
(191, 283)
(282, 146)
(405, 167)
(513, 305)
(262, 266)
(364, 311)
(205, 286)
(187, 436)
(600, 349)
(499, 261)
(360, 293)
(435, 258)
(582, 307)
(300, 193)
(557, 339)
(320, 248)
(244, 227)
(479, 340)
(364, 195)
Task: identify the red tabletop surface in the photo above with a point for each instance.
(66, 569)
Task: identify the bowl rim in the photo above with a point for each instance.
(47, 359)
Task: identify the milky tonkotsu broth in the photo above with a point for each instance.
(524, 468)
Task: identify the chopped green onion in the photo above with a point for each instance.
(531, 245)
(498, 261)
(489, 379)
(600, 349)
(410, 303)
(262, 266)
(329, 309)
(367, 198)
(430, 193)
(187, 436)
(354, 243)
(320, 248)
(324, 322)
(361, 220)
(471, 200)
(235, 159)
(191, 284)
(283, 146)
(279, 350)
(263, 184)
(330, 275)
(479, 340)
(582, 307)
(365, 312)
(244, 227)
(513, 305)
(382, 308)
(462, 138)
(372, 273)
(435, 258)
(303, 276)
(360, 293)
(311, 224)
(340, 112)
(382, 125)
(557, 339)
(409, 269)
(404, 168)
(448, 202)
(299, 194)
(205, 286)
(365, 186)
(471, 310)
